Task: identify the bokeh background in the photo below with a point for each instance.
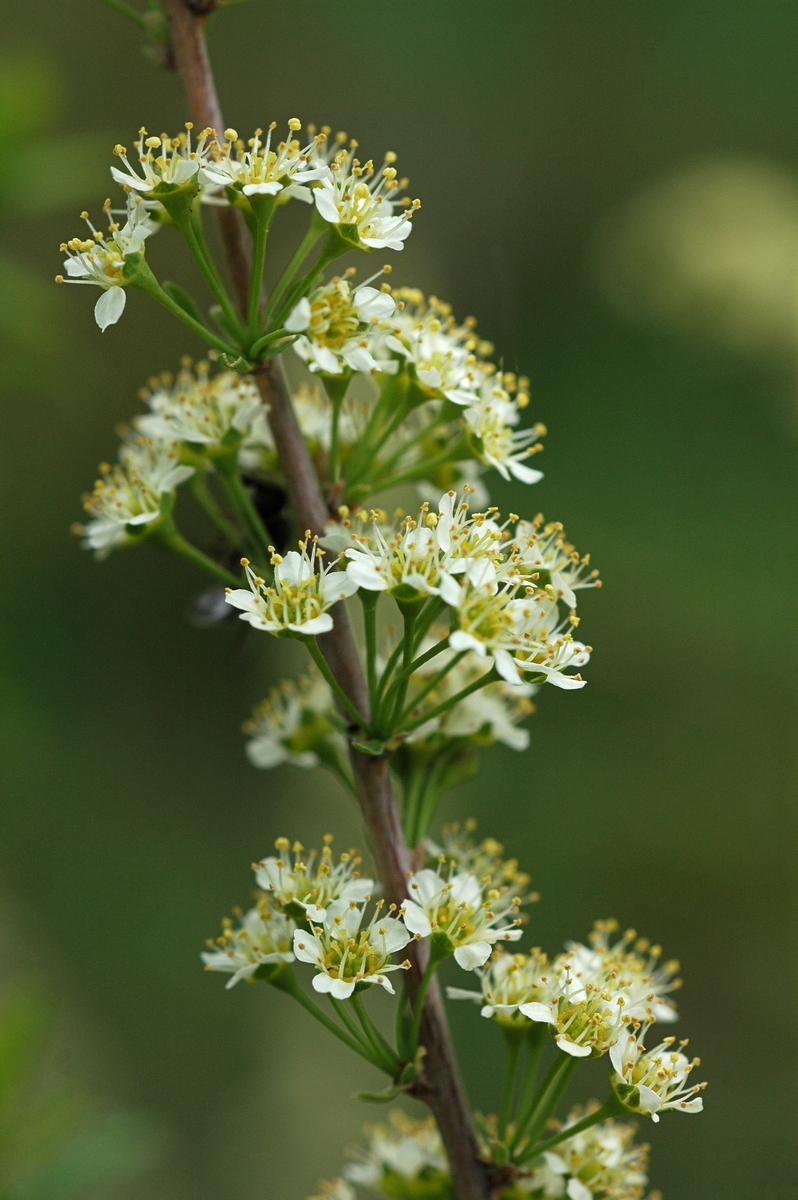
(613, 190)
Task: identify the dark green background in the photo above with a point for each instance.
(663, 793)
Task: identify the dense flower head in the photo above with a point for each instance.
(197, 407)
(292, 723)
(308, 883)
(346, 952)
(400, 1150)
(101, 259)
(359, 197)
(448, 358)
(507, 981)
(600, 1163)
(164, 160)
(262, 936)
(302, 592)
(492, 714)
(256, 167)
(129, 494)
(472, 913)
(341, 326)
(652, 1081)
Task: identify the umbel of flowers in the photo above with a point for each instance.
(395, 417)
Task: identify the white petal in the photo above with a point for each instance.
(262, 189)
(430, 378)
(577, 1191)
(109, 307)
(537, 1012)
(571, 1047)
(326, 204)
(298, 319)
(321, 624)
(524, 474)
(416, 919)
(306, 947)
(476, 954)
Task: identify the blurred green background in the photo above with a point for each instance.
(661, 336)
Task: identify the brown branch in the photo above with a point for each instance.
(442, 1086)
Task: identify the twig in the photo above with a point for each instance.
(444, 1091)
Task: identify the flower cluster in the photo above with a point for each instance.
(130, 495)
(263, 937)
(293, 723)
(497, 586)
(298, 601)
(198, 408)
(359, 199)
(601, 1163)
(347, 953)
(306, 884)
(400, 1150)
(588, 996)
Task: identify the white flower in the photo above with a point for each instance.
(263, 937)
(443, 353)
(197, 408)
(508, 981)
(261, 170)
(339, 327)
(163, 160)
(344, 954)
(130, 493)
(600, 1162)
(545, 549)
(347, 198)
(471, 913)
(652, 1081)
(100, 260)
(303, 591)
(312, 885)
(410, 1149)
(292, 722)
(491, 418)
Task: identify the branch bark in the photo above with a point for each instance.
(443, 1089)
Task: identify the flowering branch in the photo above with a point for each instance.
(444, 1089)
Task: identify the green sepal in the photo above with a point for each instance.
(440, 945)
(135, 269)
(340, 240)
(627, 1094)
(374, 747)
(262, 206)
(296, 912)
(177, 198)
(186, 302)
(408, 598)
